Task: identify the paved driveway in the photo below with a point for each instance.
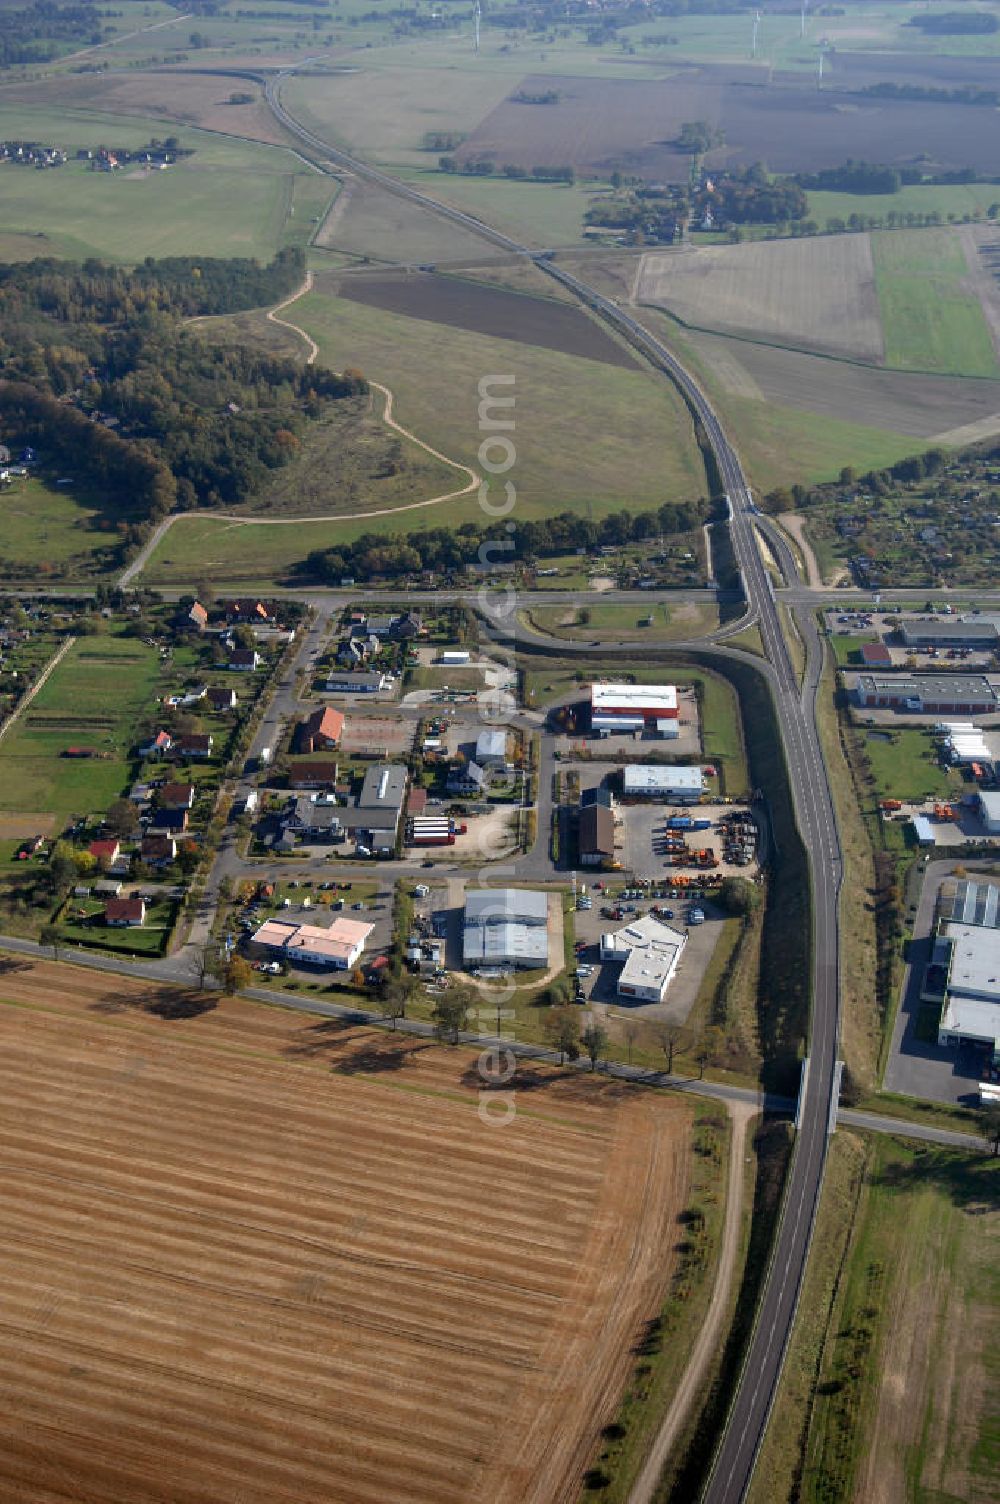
(916, 1069)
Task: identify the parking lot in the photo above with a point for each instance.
(600, 987)
(646, 843)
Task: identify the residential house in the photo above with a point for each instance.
(221, 697)
(168, 820)
(197, 617)
(317, 773)
(253, 613)
(158, 745)
(158, 851)
(122, 913)
(106, 852)
(196, 744)
(314, 819)
(176, 795)
(321, 731)
(244, 660)
(468, 780)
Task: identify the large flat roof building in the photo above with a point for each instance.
(968, 902)
(379, 807)
(927, 694)
(669, 782)
(506, 927)
(651, 952)
(339, 946)
(948, 631)
(971, 1012)
(634, 707)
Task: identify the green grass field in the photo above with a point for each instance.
(913, 198)
(892, 1369)
(232, 198)
(46, 529)
(930, 323)
(589, 436)
(95, 698)
(672, 623)
(906, 767)
(543, 214)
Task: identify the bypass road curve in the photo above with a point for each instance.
(796, 706)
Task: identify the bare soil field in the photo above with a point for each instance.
(15, 827)
(188, 98)
(465, 304)
(252, 1258)
(816, 293)
(600, 124)
(924, 406)
(364, 733)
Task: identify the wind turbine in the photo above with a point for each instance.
(477, 13)
(802, 18)
(756, 29)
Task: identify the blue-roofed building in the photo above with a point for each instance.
(923, 830)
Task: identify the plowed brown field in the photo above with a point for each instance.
(254, 1258)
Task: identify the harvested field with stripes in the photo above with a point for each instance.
(251, 1257)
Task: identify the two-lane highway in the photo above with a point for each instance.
(795, 706)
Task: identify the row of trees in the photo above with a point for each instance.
(485, 167)
(443, 550)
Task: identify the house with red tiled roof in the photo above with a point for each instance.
(321, 731)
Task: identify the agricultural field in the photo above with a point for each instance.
(818, 293)
(367, 1286)
(95, 697)
(889, 1391)
(459, 303)
(367, 222)
(599, 124)
(931, 321)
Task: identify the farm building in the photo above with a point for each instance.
(651, 952)
(948, 632)
(339, 947)
(320, 731)
(971, 1010)
(928, 694)
(506, 927)
(596, 836)
(673, 785)
(634, 707)
(875, 655)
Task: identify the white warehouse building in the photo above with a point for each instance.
(670, 783)
(650, 708)
(651, 952)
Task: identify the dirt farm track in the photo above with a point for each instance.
(254, 1258)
